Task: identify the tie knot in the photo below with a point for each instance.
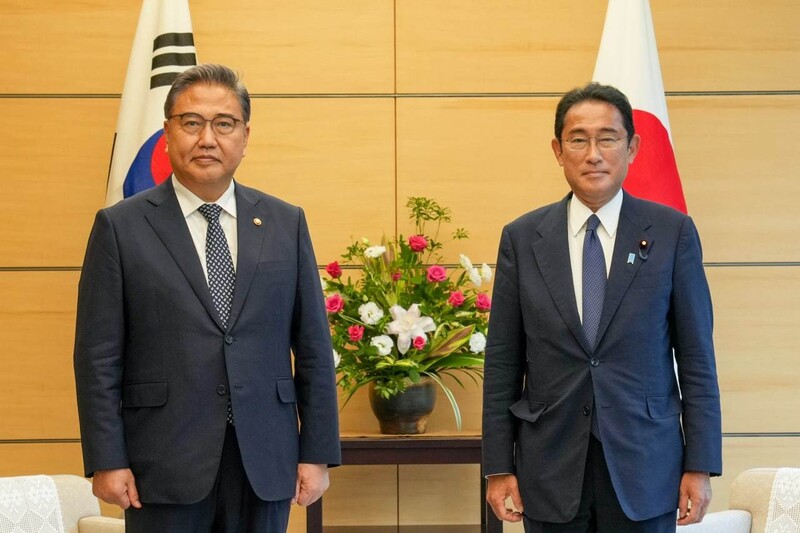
(210, 211)
(592, 223)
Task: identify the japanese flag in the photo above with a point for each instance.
(628, 60)
(162, 48)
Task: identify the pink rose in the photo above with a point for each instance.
(483, 302)
(334, 270)
(356, 333)
(419, 342)
(417, 242)
(436, 273)
(396, 276)
(456, 298)
(334, 303)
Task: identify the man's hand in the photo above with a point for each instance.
(312, 481)
(500, 487)
(117, 487)
(695, 496)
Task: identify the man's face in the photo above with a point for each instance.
(594, 172)
(204, 162)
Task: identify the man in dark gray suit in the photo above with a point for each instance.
(586, 426)
(193, 296)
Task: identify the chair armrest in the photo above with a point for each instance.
(721, 522)
(101, 524)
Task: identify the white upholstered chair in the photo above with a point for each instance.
(57, 504)
(763, 500)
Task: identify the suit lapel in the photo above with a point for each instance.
(552, 257)
(168, 222)
(632, 229)
(250, 226)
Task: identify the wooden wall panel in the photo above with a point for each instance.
(521, 46)
(332, 156)
(37, 328)
(54, 177)
(757, 338)
(310, 46)
(361, 495)
(738, 174)
(488, 159)
(28, 459)
(66, 47)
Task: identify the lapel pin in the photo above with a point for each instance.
(643, 244)
(631, 258)
(257, 221)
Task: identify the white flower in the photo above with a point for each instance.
(486, 273)
(408, 324)
(374, 251)
(477, 342)
(383, 343)
(336, 358)
(370, 313)
(465, 262)
(475, 276)
(323, 283)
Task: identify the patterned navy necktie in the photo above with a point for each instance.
(594, 280)
(221, 275)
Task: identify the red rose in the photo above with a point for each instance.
(419, 342)
(356, 333)
(417, 242)
(334, 303)
(436, 273)
(396, 276)
(334, 270)
(483, 302)
(456, 298)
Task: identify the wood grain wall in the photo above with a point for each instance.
(359, 104)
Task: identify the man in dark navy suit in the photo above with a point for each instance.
(587, 426)
(193, 297)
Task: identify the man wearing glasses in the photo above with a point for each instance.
(193, 297)
(587, 425)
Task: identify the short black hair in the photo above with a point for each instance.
(595, 92)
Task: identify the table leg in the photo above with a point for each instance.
(314, 517)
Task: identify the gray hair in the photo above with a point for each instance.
(210, 74)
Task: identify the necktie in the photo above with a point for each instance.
(594, 292)
(221, 276)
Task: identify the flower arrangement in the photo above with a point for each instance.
(407, 315)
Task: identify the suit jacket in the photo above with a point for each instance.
(542, 377)
(154, 366)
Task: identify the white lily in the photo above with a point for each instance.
(407, 325)
(486, 273)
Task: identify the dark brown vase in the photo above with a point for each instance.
(405, 413)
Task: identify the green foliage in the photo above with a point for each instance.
(404, 316)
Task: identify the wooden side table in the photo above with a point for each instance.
(411, 450)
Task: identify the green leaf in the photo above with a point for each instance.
(450, 397)
(451, 342)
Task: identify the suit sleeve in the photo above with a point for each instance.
(505, 364)
(315, 379)
(99, 351)
(694, 354)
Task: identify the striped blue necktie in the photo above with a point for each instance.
(594, 293)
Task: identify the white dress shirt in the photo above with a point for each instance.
(198, 225)
(577, 215)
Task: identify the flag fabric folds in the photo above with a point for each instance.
(628, 60)
(162, 48)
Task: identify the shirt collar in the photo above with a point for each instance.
(578, 214)
(189, 201)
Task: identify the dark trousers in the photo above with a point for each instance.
(599, 510)
(230, 507)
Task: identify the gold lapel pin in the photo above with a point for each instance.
(257, 221)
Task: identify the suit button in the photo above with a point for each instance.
(222, 390)
(586, 410)
(594, 361)
(228, 339)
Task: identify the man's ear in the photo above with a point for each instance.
(166, 136)
(633, 147)
(558, 150)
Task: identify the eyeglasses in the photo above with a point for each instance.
(192, 123)
(580, 144)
